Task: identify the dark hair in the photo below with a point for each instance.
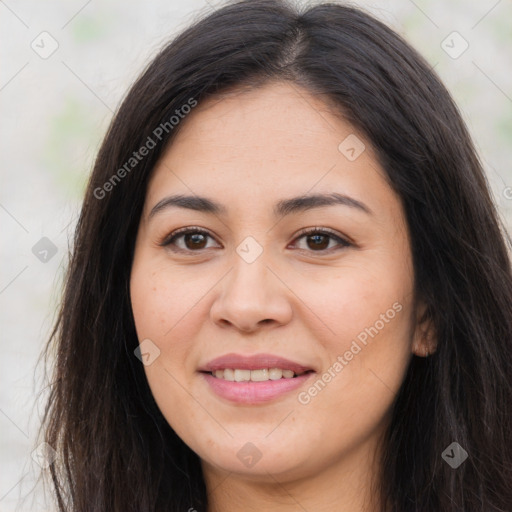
(116, 450)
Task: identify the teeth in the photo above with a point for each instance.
(260, 375)
(275, 373)
(242, 375)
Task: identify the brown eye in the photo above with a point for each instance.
(194, 240)
(318, 240)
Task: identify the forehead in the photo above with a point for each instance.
(274, 118)
(253, 146)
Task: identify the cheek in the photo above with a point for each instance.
(354, 301)
(367, 314)
(162, 304)
(161, 296)
(367, 354)
(166, 305)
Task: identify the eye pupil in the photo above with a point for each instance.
(318, 243)
(195, 237)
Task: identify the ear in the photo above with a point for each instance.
(424, 339)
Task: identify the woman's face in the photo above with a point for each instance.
(252, 295)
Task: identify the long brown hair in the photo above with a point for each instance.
(116, 450)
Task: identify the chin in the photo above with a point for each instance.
(260, 461)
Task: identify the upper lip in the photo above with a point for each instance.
(253, 362)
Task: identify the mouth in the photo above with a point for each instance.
(258, 375)
(254, 379)
(257, 367)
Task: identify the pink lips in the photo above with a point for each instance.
(249, 392)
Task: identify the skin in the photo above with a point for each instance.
(247, 150)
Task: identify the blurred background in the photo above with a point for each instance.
(65, 68)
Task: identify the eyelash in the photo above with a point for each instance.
(170, 239)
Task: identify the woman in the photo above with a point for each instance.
(289, 287)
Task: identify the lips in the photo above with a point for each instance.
(254, 362)
(228, 377)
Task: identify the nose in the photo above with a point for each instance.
(251, 296)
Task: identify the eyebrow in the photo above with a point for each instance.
(282, 208)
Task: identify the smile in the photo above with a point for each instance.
(250, 392)
(261, 375)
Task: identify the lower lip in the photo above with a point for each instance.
(250, 392)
